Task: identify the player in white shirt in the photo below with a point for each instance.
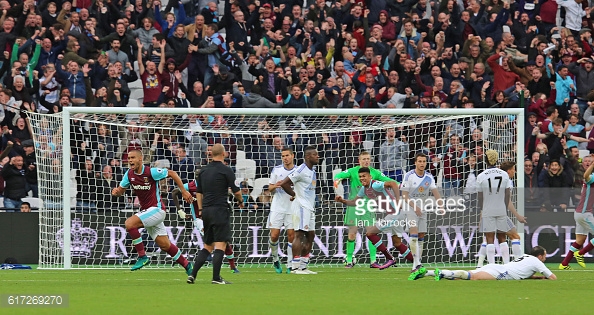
(303, 179)
(280, 209)
(494, 196)
(521, 268)
(510, 168)
(416, 187)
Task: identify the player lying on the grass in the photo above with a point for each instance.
(521, 268)
(144, 181)
(510, 168)
(584, 220)
(280, 210)
(351, 218)
(387, 195)
(303, 195)
(196, 217)
(418, 184)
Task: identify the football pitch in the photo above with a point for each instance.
(260, 291)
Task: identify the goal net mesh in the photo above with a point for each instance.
(99, 144)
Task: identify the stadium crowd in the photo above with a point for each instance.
(297, 54)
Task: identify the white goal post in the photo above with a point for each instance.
(62, 226)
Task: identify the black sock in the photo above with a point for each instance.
(217, 262)
(203, 254)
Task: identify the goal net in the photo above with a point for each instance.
(82, 155)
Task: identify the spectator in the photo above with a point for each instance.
(86, 197)
(16, 184)
(394, 154)
(25, 207)
(555, 183)
(248, 201)
(183, 165)
(30, 166)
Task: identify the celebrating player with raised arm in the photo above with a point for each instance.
(387, 195)
(303, 178)
(280, 209)
(144, 181)
(494, 196)
(354, 220)
(197, 217)
(584, 220)
(521, 268)
(417, 184)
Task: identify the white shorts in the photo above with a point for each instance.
(421, 222)
(392, 223)
(499, 272)
(303, 219)
(511, 223)
(494, 224)
(276, 220)
(584, 223)
(152, 219)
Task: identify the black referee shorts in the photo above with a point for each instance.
(217, 224)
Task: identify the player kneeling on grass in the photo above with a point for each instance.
(521, 268)
(584, 220)
(386, 194)
(145, 182)
(197, 218)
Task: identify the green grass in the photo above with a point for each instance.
(261, 291)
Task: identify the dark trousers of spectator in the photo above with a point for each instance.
(86, 207)
(332, 158)
(395, 175)
(563, 111)
(33, 188)
(12, 205)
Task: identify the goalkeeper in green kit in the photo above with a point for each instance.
(351, 219)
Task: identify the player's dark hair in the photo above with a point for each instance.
(309, 149)
(420, 155)
(537, 251)
(364, 170)
(287, 149)
(507, 165)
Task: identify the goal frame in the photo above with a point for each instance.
(67, 113)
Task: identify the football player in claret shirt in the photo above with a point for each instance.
(144, 181)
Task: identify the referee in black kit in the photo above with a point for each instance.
(214, 182)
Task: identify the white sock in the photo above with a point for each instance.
(516, 249)
(482, 254)
(491, 253)
(430, 273)
(456, 274)
(414, 248)
(289, 255)
(504, 248)
(295, 262)
(303, 262)
(274, 250)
